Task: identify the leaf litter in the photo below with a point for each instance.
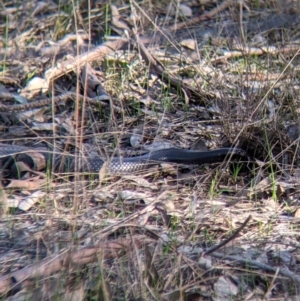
(224, 72)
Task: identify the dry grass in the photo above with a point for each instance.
(153, 235)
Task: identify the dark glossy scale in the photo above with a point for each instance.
(171, 155)
(123, 165)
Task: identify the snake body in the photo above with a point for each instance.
(170, 155)
(118, 164)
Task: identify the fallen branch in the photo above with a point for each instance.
(69, 260)
(256, 264)
(80, 60)
(55, 99)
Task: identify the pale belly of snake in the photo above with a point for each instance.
(66, 163)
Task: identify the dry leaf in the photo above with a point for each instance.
(225, 289)
(27, 203)
(185, 10)
(44, 126)
(189, 43)
(35, 86)
(297, 213)
(35, 114)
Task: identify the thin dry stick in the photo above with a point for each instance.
(242, 51)
(56, 99)
(223, 243)
(272, 87)
(157, 67)
(203, 17)
(253, 263)
(271, 286)
(241, 23)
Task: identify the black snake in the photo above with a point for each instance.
(9, 154)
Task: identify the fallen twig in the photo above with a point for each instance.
(80, 60)
(205, 16)
(56, 99)
(233, 236)
(282, 271)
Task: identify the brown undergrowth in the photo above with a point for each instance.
(123, 78)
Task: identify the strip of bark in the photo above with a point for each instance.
(80, 60)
